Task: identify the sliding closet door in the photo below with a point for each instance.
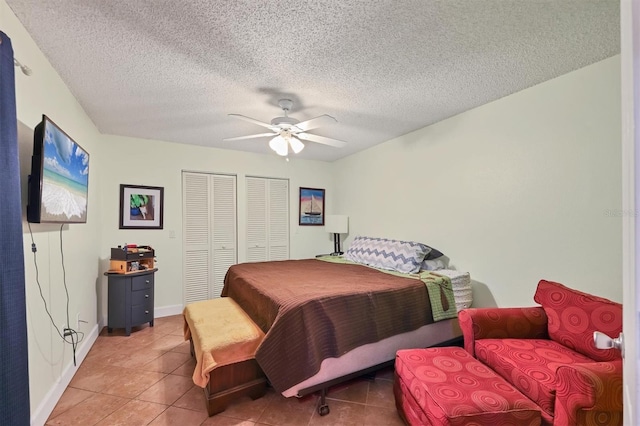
(210, 233)
(267, 219)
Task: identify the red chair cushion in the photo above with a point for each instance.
(447, 386)
(529, 365)
(574, 316)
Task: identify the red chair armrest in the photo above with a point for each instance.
(593, 387)
(501, 323)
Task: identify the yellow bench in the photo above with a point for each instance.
(224, 341)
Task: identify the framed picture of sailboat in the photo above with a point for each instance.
(312, 206)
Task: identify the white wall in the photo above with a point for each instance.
(524, 188)
(155, 163)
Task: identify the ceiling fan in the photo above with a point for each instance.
(287, 131)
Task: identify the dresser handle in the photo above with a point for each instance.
(146, 281)
(146, 296)
(146, 312)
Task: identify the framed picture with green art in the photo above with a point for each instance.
(141, 207)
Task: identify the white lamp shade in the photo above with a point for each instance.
(296, 145)
(279, 145)
(337, 224)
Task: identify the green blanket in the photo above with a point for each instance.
(443, 304)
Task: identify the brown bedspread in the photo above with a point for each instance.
(311, 310)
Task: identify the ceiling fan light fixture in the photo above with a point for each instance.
(279, 145)
(290, 132)
(296, 145)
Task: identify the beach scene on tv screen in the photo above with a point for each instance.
(65, 178)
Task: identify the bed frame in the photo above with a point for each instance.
(367, 359)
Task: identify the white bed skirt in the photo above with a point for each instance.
(373, 354)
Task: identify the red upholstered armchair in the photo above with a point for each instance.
(547, 353)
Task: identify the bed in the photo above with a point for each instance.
(328, 321)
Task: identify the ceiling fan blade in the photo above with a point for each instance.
(321, 139)
(259, 135)
(312, 123)
(254, 121)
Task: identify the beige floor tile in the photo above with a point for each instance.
(170, 327)
(96, 377)
(186, 369)
(353, 391)
(174, 416)
(379, 416)
(90, 411)
(183, 347)
(168, 390)
(136, 358)
(381, 394)
(220, 420)
(133, 413)
(288, 411)
(167, 362)
(341, 413)
(193, 399)
(166, 343)
(70, 398)
(133, 383)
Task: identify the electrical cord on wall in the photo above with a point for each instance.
(68, 335)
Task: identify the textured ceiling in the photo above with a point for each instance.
(173, 70)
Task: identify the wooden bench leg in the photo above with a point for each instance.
(233, 381)
(218, 402)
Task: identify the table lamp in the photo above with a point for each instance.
(337, 224)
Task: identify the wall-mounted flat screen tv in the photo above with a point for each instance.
(59, 180)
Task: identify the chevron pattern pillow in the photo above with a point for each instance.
(392, 255)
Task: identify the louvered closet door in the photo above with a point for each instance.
(224, 229)
(267, 219)
(210, 233)
(196, 226)
(278, 219)
(256, 223)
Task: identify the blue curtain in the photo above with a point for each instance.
(14, 368)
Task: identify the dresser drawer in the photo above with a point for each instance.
(142, 283)
(141, 313)
(142, 297)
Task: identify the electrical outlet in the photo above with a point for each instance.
(78, 321)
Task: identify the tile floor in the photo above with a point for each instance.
(145, 379)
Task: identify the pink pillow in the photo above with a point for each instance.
(574, 316)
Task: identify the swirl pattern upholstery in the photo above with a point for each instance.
(547, 353)
(447, 386)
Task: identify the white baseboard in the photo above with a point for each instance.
(166, 311)
(42, 413)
